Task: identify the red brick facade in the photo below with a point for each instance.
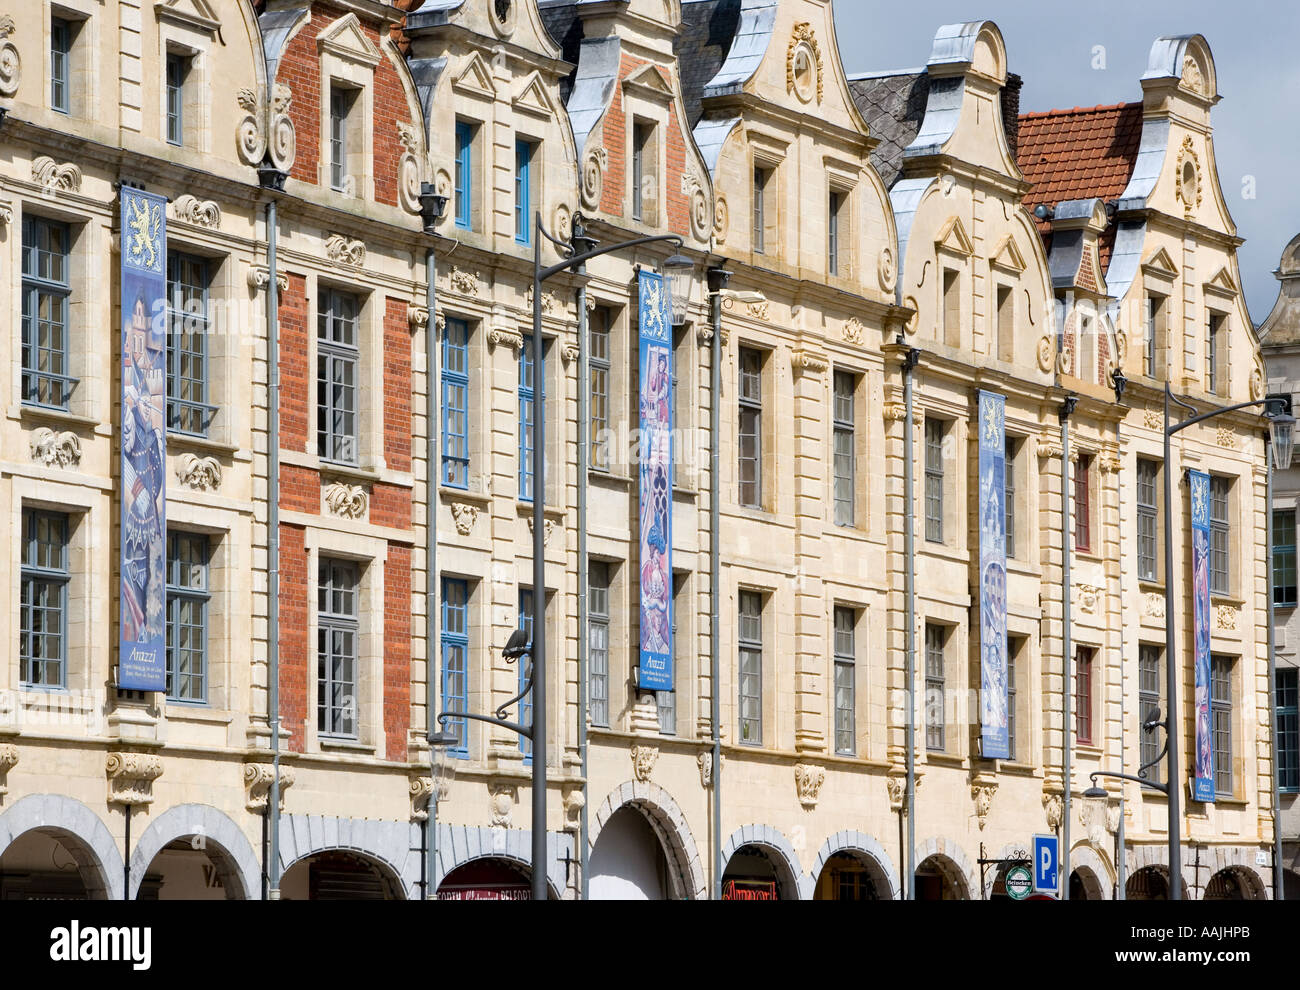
(295, 406)
(294, 584)
(397, 650)
(397, 386)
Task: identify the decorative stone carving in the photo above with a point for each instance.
(6, 214)
(347, 251)
(759, 310)
(502, 797)
(1225, 617)
(1054, 808)
(131, 777)
(1049, 445)
(982, 791)
(421, 789)
(887, 269)
(810, 362)
(644, 759)
(913, 321)
(465, 516)
(546, 534)
(266, 130)
(563, 222)
(1224, 437)
(896, 787)
(853, 331)
(55, 177)
(200, 473)
(11, 66)
(808, 780)
(346, 501)
(1188, 187)
(511, 338)
(418, 317)
(1121, 348)
(1093, 821)
(705, 762)
(8, 760)
(1108, 464)
(1045, 349)
(1153, 419)
(593, 176)
(466, 283)
(549, 301)
(895, 412)
(258, 778)
(697, 196)
(574, 802)
(721, 218)
(1257, 383)
(1088, 595)
(1064, 362)
(408, 167)
(569, 353)
(1192, 78)
(250, 135)
(803, 64)
(199, 212)
(55, 449)
(1153, 605)
(259, 276)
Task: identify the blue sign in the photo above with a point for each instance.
(995, 737)
(1203, 769)
(142, 635)
(1046, 864)
(655, 669)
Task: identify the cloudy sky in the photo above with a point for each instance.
(1256, 126)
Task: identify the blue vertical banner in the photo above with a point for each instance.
(1203, 780)
(995, 740)
(142, 646)
(655, 668)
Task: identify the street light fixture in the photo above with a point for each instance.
(442, 767)
(1281, 428)
(680, 272)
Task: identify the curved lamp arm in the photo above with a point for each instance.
(1162, 788)
(1201, 417)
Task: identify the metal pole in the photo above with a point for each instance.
(584, 568)
(432, 592)
(539, 576)
(273, 537)
(909, 651)
(718, 280)
(1172, 669)
(1278, 880)
(1121, 880)
(1067, 408)
(126, 860)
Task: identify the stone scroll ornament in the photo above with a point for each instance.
(656, 508)
(143, 492)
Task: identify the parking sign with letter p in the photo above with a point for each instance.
(1046, 862)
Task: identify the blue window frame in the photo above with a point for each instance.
(43, 602)
(523, 191)
(1288, 730)
(187, 617)
(455, 660)
(528, 385)
(455, 404)
(526, 704)
(45, 289)
(464, 199)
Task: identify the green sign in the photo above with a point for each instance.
(1019, 883)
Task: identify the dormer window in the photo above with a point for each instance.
(342, 100)
(645, 172)
(763, 187)
(833, 232)
(177, 71)
(61, 34)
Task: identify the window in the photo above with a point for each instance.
(1083, 694)
(455, 404)
(1284, 565)
(188, 279)
(952, 307)
(45, 290)
(1083, 503)
(751, 428)
(751, 668)
(1150, 691)
(43, 601)
(601, 320)
(1147, 474)
(464, 191)
(187, 617)
(336, 648)
(1221, 723)
(643, 171)
(666, 701)
(341, 103)
(1013, 656)
(529, 382)
(1155, 335)
(761, 178)
(1005, 348)
(934, 431)
(62, 33)
(934, 686)
(177, 68)
(523, 191)
(337, 357)
(1086, 350)
(1009, 495)
(683, 354)
(455, 660)
(598, 642)
(1214, 356)
(526, 703)
(845, 387)
(1288, 730)
(845, 681)
(1220, 557)
(833, 232)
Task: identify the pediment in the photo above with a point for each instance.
(475, 78)
(1222, 283)
(533, 97)
(345, 39)
(190, 13)
(1007, 256)
(649, 81)
(1159, 263)
(954, 239)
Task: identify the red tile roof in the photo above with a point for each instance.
(1081, 153)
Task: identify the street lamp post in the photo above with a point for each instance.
(575, 253)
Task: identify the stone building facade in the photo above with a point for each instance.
(859, 218)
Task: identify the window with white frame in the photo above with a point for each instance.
(845, 680)
(64, 54)
(188, 280)
(338, 358)
(1150, 693)
(43, 600)
(1216, 353)
(455, 404)
(600, 329)
(1009, 492)
(188, 594)
(1148, 475)
(1154, 344)
(935, 686)
(762, 195)
(844, 432)
(46, 288)
(177, 67)
(1220, 535)
(598, 642)
(750, 680)
(935, 431)
(337, 640)
(834, 205)
(750, 465)
(342, 101)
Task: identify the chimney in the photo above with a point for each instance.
(1011, 111)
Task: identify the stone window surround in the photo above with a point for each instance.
(843, 177)
(340, 65)
(640, 107)
(224, 694)
(83, 79)
(370, 373)
(769, 152)
(223, 344)
(862, 515)
(180, 35)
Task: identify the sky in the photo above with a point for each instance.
(1052, 46)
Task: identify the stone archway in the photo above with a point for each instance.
(950, 863)
(461, 845)
(78, 829)
(669, 825)
(211, 832)
(792, 883)
(866, 849)
(393, 846)
(1152, 858)
(1095, 873)
(1235, 883)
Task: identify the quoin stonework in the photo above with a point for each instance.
(875, 227)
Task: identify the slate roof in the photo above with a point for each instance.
(708, 28)
(893, 105)
(565, 26)
(1080, 153)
